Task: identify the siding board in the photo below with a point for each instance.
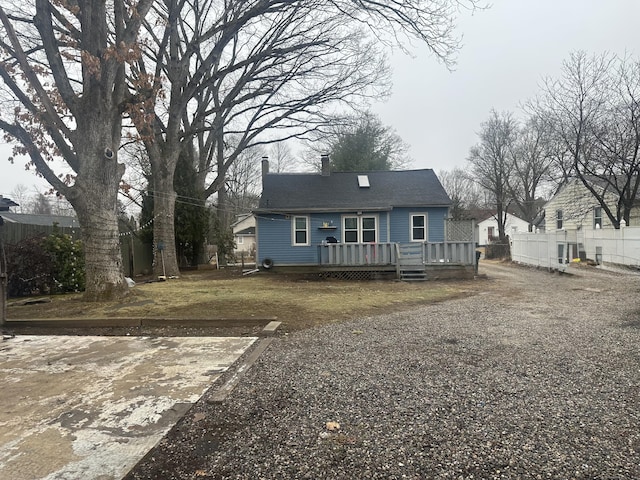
(275, 232)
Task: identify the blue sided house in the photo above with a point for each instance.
(393, 222)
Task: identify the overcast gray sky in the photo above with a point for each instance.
(507, 50)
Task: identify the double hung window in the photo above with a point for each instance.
(300, 231)
(359, 229)
(597, 217)
(559, 217)
(419, 228)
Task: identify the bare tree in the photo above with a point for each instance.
(63, 65)
(531, 158)
(241, 69)
(20, 195)
(243, 181)
(40, 205)
(490, 162)
(594, 109)
(464, 192)
(281, 159)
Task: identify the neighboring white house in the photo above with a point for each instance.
(488, 228)
(574, 207)
(575, 210)
(244, 234)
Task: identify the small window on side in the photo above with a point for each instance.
(300, 231)
(418, 228)
(559, 220)
(597, 217)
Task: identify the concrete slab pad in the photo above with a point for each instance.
(91, 407)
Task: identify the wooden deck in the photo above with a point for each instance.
(410, 261)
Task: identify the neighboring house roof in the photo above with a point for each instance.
(246, 231)
(241, 218)
(510, 217)
(346, 191)
(34, 219)
(6, 203)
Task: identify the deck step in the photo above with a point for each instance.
(413, 275)
(411, 263)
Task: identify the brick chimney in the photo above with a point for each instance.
(265, 166)
(325, 170)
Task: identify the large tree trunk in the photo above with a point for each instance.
(94, 198)
(103, 258)
(164, 236)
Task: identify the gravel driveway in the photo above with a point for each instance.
(533, 375)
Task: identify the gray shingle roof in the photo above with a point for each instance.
(246, 231)
(340, 191)
(6, 203)
(37, 219)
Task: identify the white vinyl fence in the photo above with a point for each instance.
(539, 249)
(556, 249)
(620, 247)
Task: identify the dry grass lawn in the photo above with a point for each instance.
(296, 301)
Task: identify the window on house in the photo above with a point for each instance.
(597, 217)
(491, 233)
(368, 229)
(239, 240)
(359, 229)
(350, 229)
(559, 220)
(418, 228)
(300, 230)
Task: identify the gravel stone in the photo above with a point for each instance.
(533, 375)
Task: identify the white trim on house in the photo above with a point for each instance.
(295, 230)
(360, 230)
(425, 226)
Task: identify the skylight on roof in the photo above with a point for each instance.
(363, 181)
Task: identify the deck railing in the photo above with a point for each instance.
(357, 254)
(365, 254)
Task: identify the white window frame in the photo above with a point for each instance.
(559, 219)
(597, 220)
(424, 228)
(374, 230)
(306, 229)
(360, 230)
(239, 240)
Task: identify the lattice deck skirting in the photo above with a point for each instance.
(359, 275)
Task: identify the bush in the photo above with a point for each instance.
(67, 256)
(29, 268)
(45, 265)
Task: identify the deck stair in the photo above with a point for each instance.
(411, 265)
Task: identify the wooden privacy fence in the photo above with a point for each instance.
(14, 233)
(137, 256)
